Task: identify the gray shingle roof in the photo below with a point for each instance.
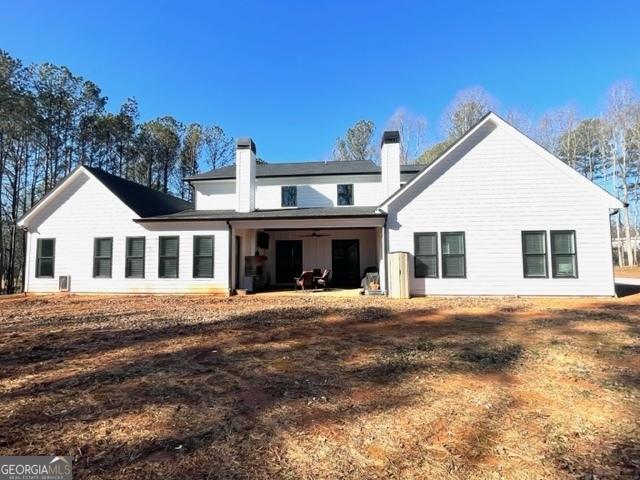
(283, 213)
(301, 169)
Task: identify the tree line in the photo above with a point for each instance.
(603, 148)
(51, 121)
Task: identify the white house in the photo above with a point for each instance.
(495, 214)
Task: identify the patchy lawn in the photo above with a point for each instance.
(323, 387)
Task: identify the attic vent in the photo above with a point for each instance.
(64, 283)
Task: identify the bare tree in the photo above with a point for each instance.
(622, 114)
(357, 143)
(468, 106)
(218, 147)
(522, 121)
(554, 131)
(413, 130)
(190, 152)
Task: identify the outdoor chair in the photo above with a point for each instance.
(323, 280)
(303, 280)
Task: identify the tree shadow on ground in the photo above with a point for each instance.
(231, 387)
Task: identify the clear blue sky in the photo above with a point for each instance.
(294, 75)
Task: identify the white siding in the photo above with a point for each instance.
(215, 195)
(87, 209)
(316, 191)
(492, 191)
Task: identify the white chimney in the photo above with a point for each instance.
(245, 175)
(390, 162)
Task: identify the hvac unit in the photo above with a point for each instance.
(64, 283)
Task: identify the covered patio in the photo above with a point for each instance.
(267, 254)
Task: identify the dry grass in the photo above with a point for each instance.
(322, 387)
(628, 272)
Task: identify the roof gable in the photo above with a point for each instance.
(143, 201)
(474, 136)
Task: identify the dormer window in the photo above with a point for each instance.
(345, 194)
(289, 196)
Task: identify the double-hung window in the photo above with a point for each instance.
(289, 196)
(169, 248)
(134, 267)
(203, 249)
(425, 255)
(563, 254)
(534, 254)
(45, 257)
(453, 255)
(102, 257)
(345, 194)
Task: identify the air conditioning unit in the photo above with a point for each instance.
(64, 283)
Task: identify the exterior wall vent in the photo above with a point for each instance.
(64, 283)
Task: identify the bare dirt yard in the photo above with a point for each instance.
(317, 386)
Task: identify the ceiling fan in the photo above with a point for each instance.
(316, 234)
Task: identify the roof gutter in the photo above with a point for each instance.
(227, 219)
(231, 258)
(385, 246)
(321, 174)
(25, 259)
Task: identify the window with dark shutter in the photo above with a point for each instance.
(203, 249)
(534, 254)
(564, 262)
(168, 257)
(134, 267)
(453, 255)
(45, 257)
(289, 196)
(425, 256)
(102, 256)
(345, 194)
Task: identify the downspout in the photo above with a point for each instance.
(385, 233)
(613, 268)
(229, 263)
(25, 277)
